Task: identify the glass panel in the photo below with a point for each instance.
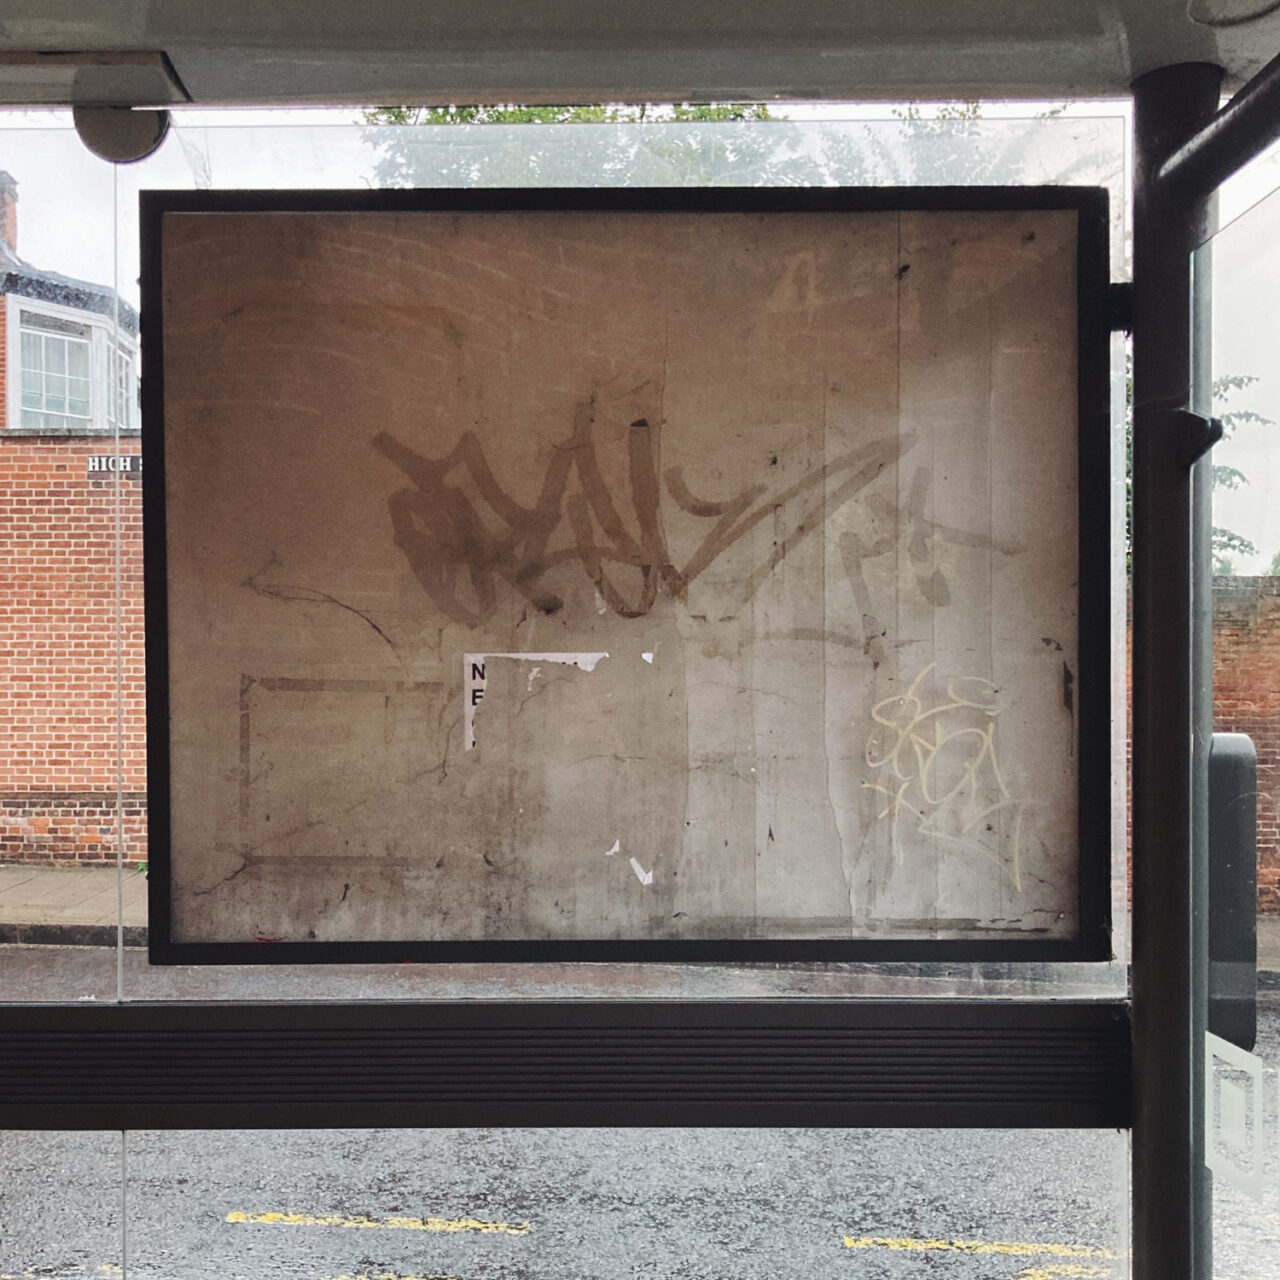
(55, 355)
(216, 156)
(1240, 269)
(793, 151)
(802, 152)
(58, 887)
(55, 393)
(78, 359)
(32, 352)
(124, 393)
(53, 324)
(662, 1203)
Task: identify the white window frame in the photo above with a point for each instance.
(103, 334)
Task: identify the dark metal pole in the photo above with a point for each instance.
(1249, 122)
(1171, 1238)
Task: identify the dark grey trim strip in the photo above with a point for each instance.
(618, 1064)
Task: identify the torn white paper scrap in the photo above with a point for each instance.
(645, 877)
(473, 668)
(1235, 1148)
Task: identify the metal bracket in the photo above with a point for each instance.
(122, 135)
(1199, 434)
(1120, 306)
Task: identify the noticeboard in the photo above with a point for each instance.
(644, 574)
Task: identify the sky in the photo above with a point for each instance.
(78, 215)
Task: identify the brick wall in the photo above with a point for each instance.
(58, 658)
(4, 356)
(1246, 699)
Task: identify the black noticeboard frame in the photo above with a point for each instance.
(1092, 694)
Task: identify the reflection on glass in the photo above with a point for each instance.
(1242, 262)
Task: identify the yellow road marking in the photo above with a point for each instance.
(384, 1224)
(72, 1269)
(1013, 1248)
(110, 1269)
(393, 1275)
(1056, 1269)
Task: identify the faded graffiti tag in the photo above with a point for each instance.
(895, 528)
(448, 534)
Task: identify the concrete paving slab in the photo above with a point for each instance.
(11, 877)
(1269, 943)
(55, 891)
(69, 898)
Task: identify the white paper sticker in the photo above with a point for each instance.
(473, 667)
(1235, 1141)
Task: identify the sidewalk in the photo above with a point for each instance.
(72, 906)
(76, 906)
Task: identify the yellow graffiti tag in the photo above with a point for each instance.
(938, 766)
(383, 1224)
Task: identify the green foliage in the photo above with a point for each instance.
(1227, 540)
(613, 157)
(945, 111)
(939, 145)
(618, 113)
(723, 111)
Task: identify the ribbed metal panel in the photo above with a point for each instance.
(616, 1064)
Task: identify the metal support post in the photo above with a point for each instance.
(1247, 124)
(1171, 1205)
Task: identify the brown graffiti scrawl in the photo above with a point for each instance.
(459, 561)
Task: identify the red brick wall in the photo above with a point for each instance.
(1246, 699)
(58, 655)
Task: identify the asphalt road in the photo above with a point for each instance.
(568, 1205)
